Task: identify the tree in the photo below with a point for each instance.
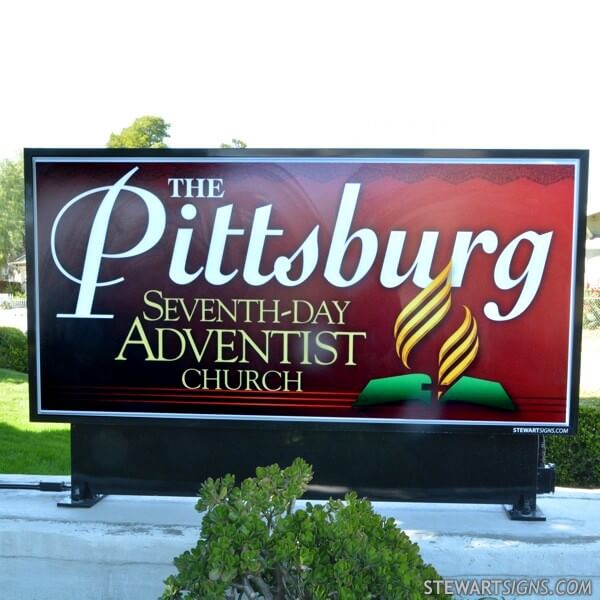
(235, 143)
(144, 132)
(12, 217)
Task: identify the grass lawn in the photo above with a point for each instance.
(36, 448)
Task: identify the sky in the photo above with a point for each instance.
(285, 74)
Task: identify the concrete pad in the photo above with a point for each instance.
(123, 547)
(14, 317)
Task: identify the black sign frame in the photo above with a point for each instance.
(32, 267)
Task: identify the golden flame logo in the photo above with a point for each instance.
(458, 351)
(418, 318)
(425, 312)
(422, 314)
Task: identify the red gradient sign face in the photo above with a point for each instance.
(399, 290)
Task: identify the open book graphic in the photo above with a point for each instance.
(418, 387)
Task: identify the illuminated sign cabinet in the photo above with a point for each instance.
(423, 290)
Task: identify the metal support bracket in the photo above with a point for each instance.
(81, 497)
(525, 509)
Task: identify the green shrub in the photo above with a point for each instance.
(577, 458)
(254, 545)
(13, 349)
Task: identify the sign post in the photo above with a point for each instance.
(240, 303)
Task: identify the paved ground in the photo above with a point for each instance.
(14, 317)
(124, 546)
(590, 363)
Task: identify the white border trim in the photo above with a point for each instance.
(576, 163)
(305, 159)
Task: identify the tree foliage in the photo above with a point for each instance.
(13, 349)
(12, 213)
(577, 457)
(144, 132)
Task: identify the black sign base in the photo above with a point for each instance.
(422, 467)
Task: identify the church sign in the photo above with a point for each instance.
(376, 288)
